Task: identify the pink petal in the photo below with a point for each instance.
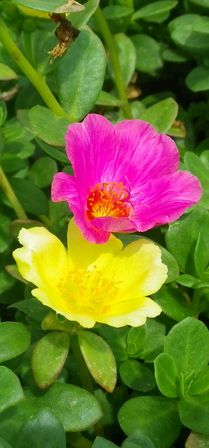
(90, 148)
(63, 188)
(144, 153)
(165, 199)
(114, 224)
(91, 233)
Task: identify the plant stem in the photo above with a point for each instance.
(34, 77)
(9, 192)
(109, 39)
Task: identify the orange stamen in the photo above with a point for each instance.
(108, 199)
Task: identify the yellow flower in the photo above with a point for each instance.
(91, 283)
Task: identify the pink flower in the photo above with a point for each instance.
(126, 178)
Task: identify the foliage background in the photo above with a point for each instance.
(139, 59)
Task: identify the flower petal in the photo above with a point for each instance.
(43, 258)
(90, 148)
(139, 270)
(61, 307)
(136, 317)
(64, 189)
(165, 199)
(83, 253)
(144, 153)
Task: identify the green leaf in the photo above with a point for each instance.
(99, 359)
(166, 375)
(197, 441)
(204, 4)
(6, 282)
(3, 112)
(196, 166)
(153, 9)
(48, 358)
(101, 442)
(201, 255)
(146, 342)
(189, 281)
(4, 444)
(117, 340)
(31, 197)
(76, 408)
(85, 65)
(138, 440)
(57, 154)
(15, 416)
(115, 12)
(137, 107)
(42, 171)
(43, 430)
(49, 5)
(47, 126)
(103, 397)
(198, 79)
(156, 417)
(79, 19)
(190, 31)
(173, 303)
(6, 73)
(148, 58)
(154, 340)
(14, 340)
(106, 99)
(194, 413)
(135, 340)
(33, 309)
(182, 236)
(175, 56)
(10, 388)
(188, 344)
(161, 115)
(200, 384)
(127, 56)
(137, 376)
(171, 263)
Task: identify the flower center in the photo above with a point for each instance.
(88, 291)
(108, 199)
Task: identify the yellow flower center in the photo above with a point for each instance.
(108, 199)
(88, 291)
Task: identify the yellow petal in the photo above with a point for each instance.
(83, 253)
(56, 303)
(136, 317)
(139, 267)
(43, 258)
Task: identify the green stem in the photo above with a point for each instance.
(34, 77)
(109, 39)
(9, 192)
